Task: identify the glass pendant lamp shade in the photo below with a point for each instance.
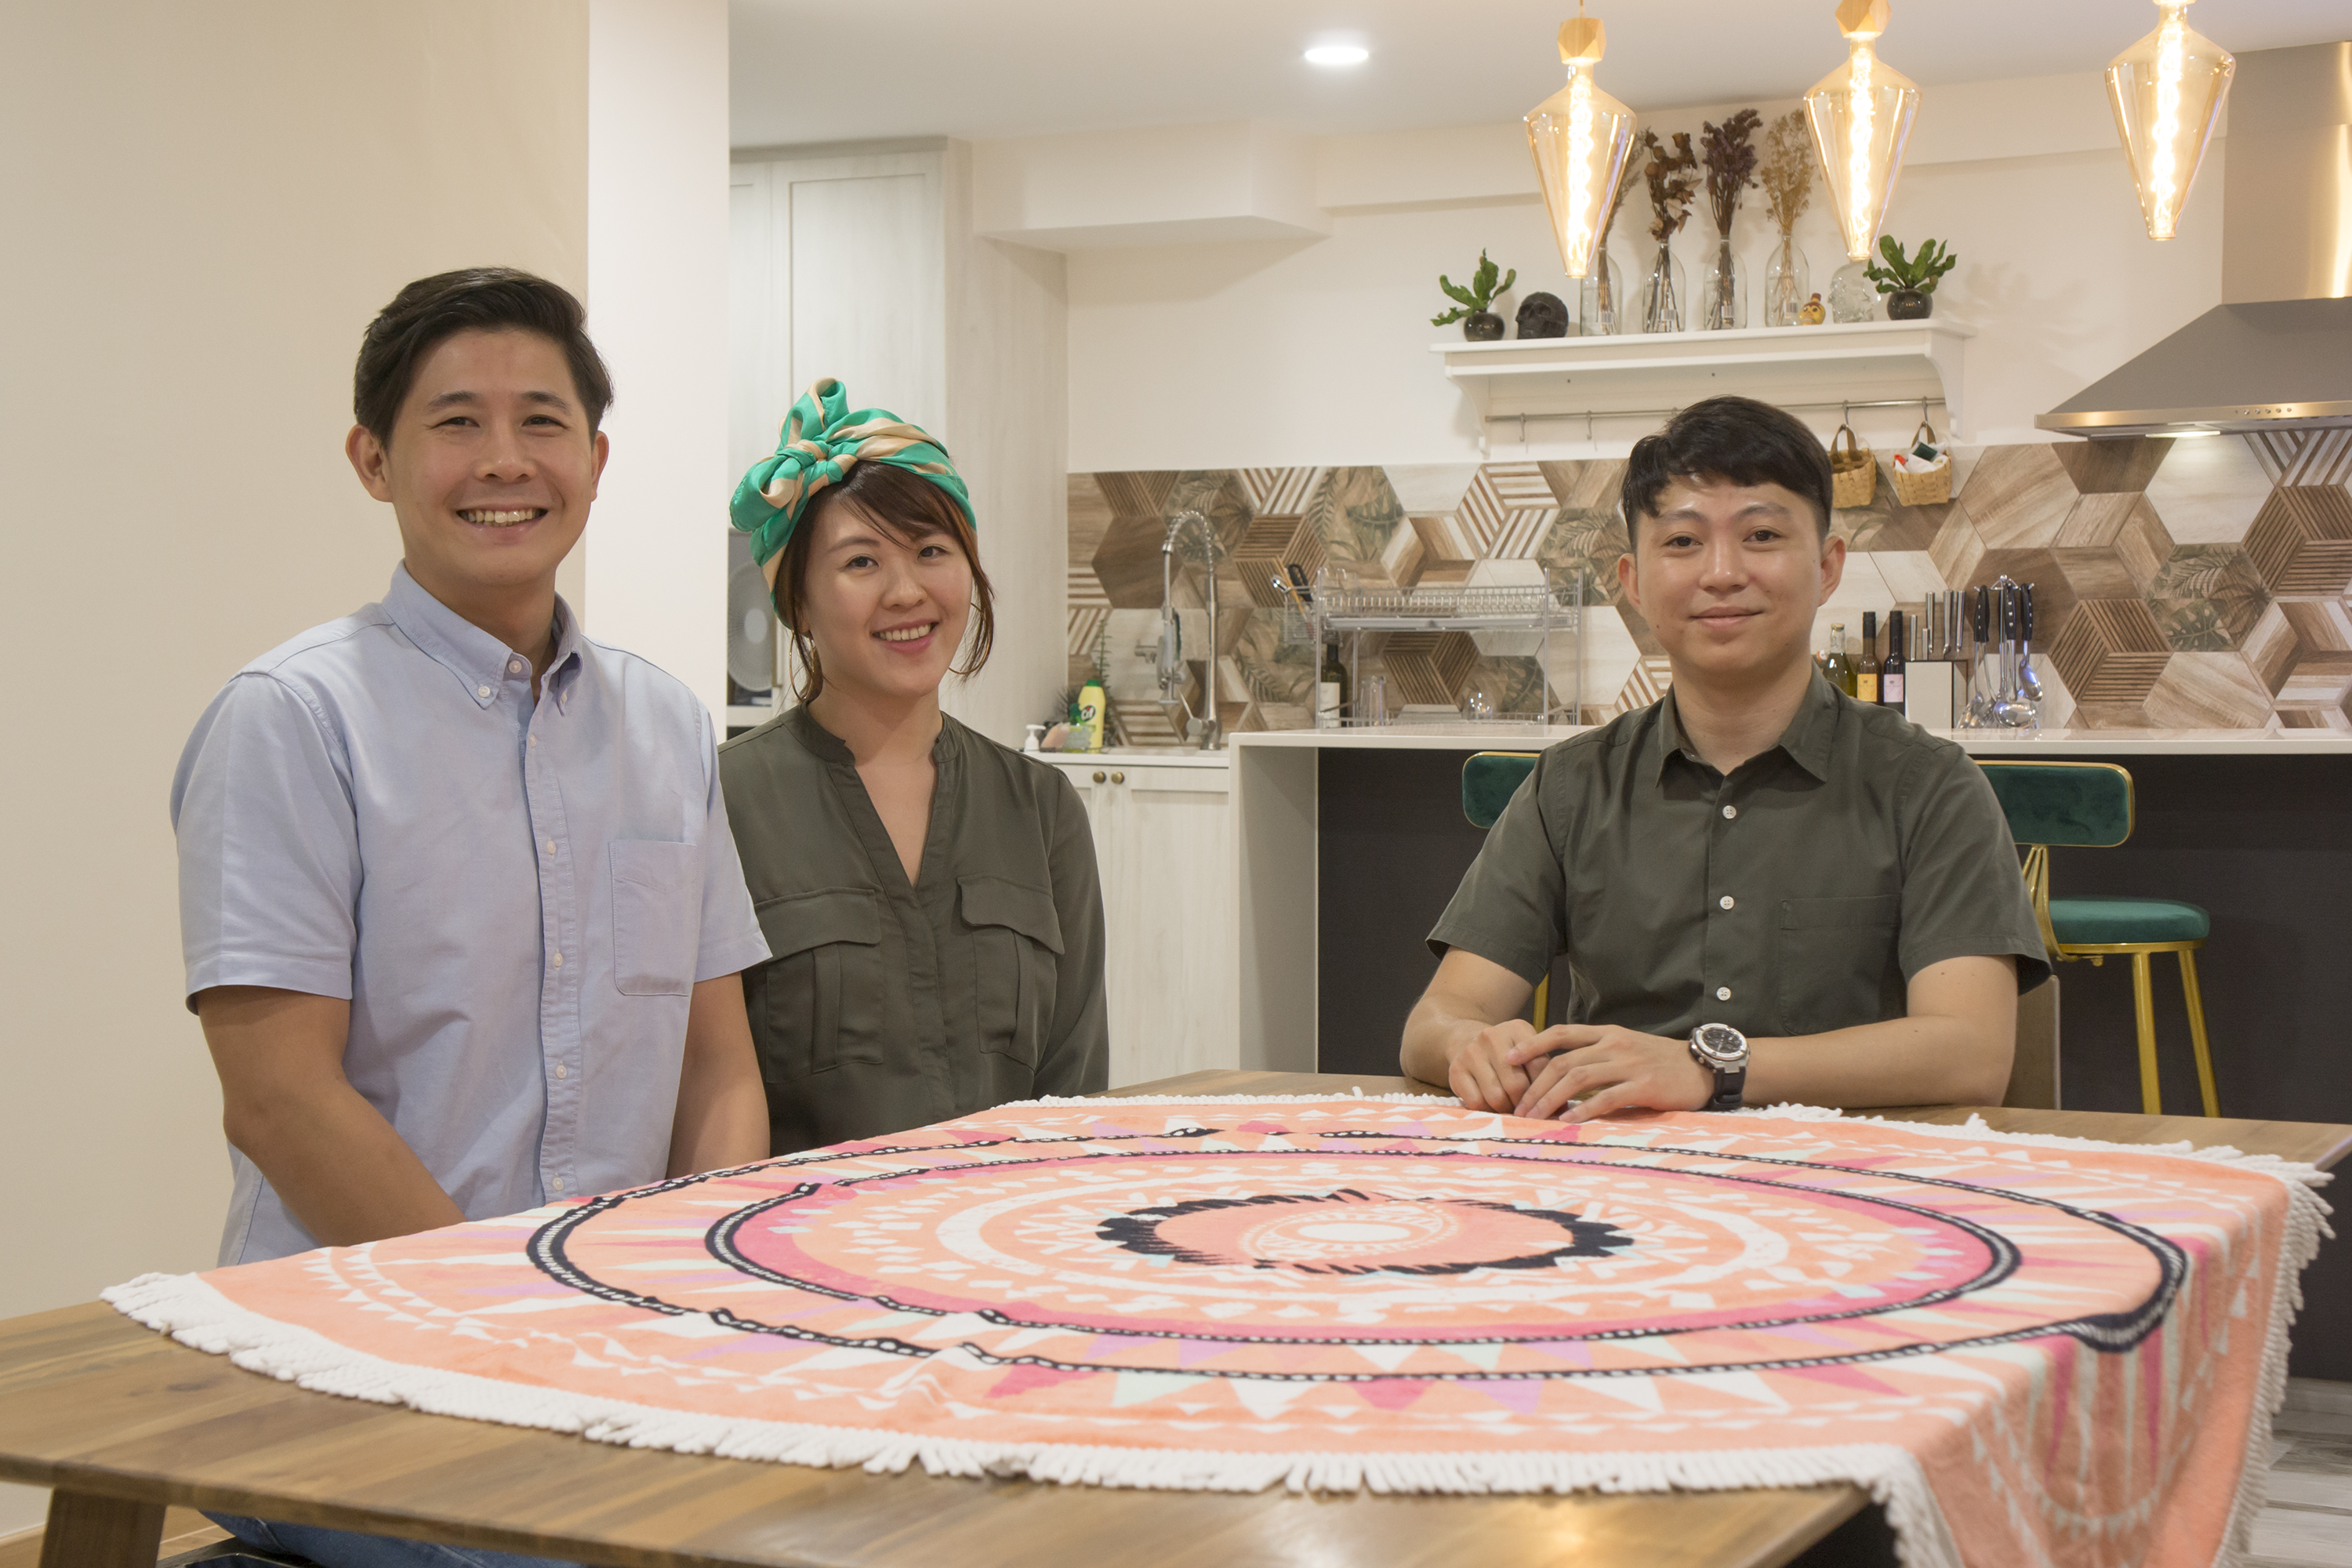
(2167, 92)
(1581, 138)
(1861, 116)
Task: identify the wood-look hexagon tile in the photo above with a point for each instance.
(1956, 548)
(2096, 573)
(2019, 497)
(2320, 623)
(1428, 667)
(1910, 574)
(1510, 683)
(2124, 464)
(1090, 514)
(2301, 541)
(1609, 655)
(1127, 562)
(2143, 546)
(1279, 490)
(1268, 547)
(1356, 514)
(1430, 487)
(2317, 680)
(1591, 485)
(1584, 544)
(1637, 627)
(1511, 572)
(2208, 491)
(2272, 648)
(2111, 652)
(2208, 691)
(2207, 598)
(2338, 720)
(2054, 593)
(2097, 519)
(1266, 669)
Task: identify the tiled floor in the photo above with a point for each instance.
(2308, 1524)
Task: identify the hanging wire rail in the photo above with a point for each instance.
(1847, 405)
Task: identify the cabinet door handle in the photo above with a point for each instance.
(1098, 778)
(1118, 778)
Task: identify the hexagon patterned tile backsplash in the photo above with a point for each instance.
(2198, 583)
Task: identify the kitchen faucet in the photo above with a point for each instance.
(1168, 658)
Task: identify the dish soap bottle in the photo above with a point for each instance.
(1090, 713)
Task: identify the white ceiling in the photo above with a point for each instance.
(819, 70)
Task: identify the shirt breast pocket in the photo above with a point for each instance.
(656, 916)
(1017, 942)
(822, 996)
(1834, 961)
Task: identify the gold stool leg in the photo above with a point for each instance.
(2151, 1100)
(2197, 1031)
(1543, 1006)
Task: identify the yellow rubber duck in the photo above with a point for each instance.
(1811, 314)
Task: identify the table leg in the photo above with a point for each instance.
(86, 1530)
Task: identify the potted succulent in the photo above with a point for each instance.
(1909, 285)
(1479, 324)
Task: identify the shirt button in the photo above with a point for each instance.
(481, 691)
(1725, 900)
(1723, 993)
(557, 960)
(514, 666)
(559, 1183)
(561, 1071)
(533, 740)
(1731, 811)
(551, 850)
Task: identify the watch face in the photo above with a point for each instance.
(1721, 1043)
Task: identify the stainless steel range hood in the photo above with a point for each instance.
(2277, 353)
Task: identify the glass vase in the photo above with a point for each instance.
(1788, 284)
(1853, 296)
(1663, 292)
(1723, 293)
(1600, 299)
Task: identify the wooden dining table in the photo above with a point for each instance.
(120, 1422)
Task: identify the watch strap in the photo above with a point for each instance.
(1730, 1088)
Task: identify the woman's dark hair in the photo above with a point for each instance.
(475, 298)
(1734, 438)
(909, 509)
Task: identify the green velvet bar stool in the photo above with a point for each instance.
(1489, 779)
(2089, 805)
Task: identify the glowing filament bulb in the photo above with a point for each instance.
(2164, 168)
(1860, 187)
(1580, 194)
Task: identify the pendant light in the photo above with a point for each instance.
(1581, 138)
(1861, 115)
(2167, 90)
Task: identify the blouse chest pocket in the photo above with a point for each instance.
(1833, 961)
(1016, 948)
(822, 994)
(656, 916)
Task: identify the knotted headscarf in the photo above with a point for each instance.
(823, 438)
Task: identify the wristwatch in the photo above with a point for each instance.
(1723, 1051)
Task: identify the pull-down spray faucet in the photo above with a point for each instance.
(1169, 659)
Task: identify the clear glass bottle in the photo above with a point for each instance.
(1331, 689)
(1600, 299)
(1853, 296)
(1788, 283)
(1867, 669)
(1663, 292)
(1723, 293)
(1835, 665)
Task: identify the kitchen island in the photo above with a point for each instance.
(1348, 844)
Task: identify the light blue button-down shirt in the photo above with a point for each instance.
(516, 897)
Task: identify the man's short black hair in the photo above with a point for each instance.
(474, 299)
(1737, 440)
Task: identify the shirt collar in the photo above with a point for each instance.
(478, 659)
(1807, 741)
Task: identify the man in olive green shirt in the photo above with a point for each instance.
(1756, 849)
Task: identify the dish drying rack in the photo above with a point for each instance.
(1337, 603)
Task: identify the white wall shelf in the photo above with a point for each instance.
(1553, 383)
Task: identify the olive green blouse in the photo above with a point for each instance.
(887, 1006)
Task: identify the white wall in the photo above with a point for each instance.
(1315, 351)
(657, 546)
(206, 204)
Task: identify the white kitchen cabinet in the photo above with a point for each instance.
(1164, 848)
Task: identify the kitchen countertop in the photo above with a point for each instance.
(1468, 737)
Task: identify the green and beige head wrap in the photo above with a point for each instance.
(823, 438)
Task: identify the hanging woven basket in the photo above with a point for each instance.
(1854, 470)
(1922, 481)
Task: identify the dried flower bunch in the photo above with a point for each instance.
(1633, 172)
(1787, 172)
(1672, 183)
(1730, 154)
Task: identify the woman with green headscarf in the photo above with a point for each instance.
(928, 896)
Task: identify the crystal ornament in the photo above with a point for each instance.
(2167, 92)
(1581, 137)
(1861, 116)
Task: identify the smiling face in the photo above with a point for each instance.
(1729, 577)
(490, 468)
(885, 607)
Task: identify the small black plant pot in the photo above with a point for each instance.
(1909, 305)
(1483, 326)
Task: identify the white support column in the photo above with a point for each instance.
(657, 171)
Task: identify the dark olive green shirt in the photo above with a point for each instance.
(1797, 896)
(887, 1006)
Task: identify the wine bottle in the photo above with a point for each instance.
(1892, 673)
(1865, 668)
(1330, 688)
(1836, 668)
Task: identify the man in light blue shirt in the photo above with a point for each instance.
(463, 919)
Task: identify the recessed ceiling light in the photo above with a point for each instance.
(1337, 55)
